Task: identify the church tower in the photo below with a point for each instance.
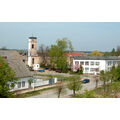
(33, 58)
(32, 46)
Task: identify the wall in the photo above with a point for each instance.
(37, 82)
(36, 60)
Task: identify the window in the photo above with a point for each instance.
(32, 46)
(32, 60)
(114, 62)
(23, 83)
(77, 66)
(96, 69)
(97, 63)
(76, 62)
(109, 63)
(86, 69)
(92, 63)
(91, 69)
(86, 63)
(19, 84)
(82, 63)
(24, 60)
(37, 65)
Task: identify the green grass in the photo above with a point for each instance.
(33, 93)
(51, 76)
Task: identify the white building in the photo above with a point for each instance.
(94, 64)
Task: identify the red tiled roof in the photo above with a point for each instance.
(74, 54)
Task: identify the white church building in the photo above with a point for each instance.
(94, 64)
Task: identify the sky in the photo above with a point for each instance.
(84, 36)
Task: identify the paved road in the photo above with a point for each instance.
(52, 93)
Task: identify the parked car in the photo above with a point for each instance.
(41, 70)
(59, 71)
(85, 81)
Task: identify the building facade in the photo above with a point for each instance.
(93, 65)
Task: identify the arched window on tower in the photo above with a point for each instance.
(32, 46)
(32, 60)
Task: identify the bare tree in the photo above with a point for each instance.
(96, 80)
(43, 52)
(60, 88)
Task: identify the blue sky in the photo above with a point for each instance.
(84, 36)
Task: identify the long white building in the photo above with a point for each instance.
(94, 64)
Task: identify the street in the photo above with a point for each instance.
(53, 94)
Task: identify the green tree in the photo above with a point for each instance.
(107, 53)
(116, 88)
(118, 73)
(105, 77)
(96, 53)
(57, 54)
(113, 53)
(118, 51)
(89, 94)
(80, 70)
(7, 79)
(74, 83)
(113, 74)
(30, 81)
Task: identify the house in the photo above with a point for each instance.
(69, 55)
(94, 64)
(16, 63)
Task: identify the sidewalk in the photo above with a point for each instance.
(34, 89)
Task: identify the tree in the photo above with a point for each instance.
(118, 51)
(107, 53)
(74, 84)
(43, 52)
(60, 88)
(3, 48)
(116, 88)
(7, 79)
(89, 94)
(118, 72)
(30, 81)
(80, 70)
(113, 53)
(113, 74)
(57, 54)
(105, 77)
(96, 80)
(95, 53)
